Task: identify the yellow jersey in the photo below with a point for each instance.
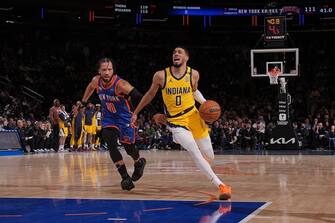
(61, 124)
(177, 93)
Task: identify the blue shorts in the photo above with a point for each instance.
(127, 132)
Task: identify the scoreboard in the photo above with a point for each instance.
(151, 7)
(274, 28)
(106, 11)
(319, 10)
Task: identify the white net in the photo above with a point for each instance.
(273, 76)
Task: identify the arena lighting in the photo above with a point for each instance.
(42, 13)
(155, 20)
(105, 17)
(301, 19)
(91, 15)
(7, 9)
(138, 18)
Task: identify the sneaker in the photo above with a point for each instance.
(225, 207)
(225, 192)
(127, 184)
(138, 169)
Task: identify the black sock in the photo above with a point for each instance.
(122, 170)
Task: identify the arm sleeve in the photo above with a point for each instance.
(135, 95)
(199, 97)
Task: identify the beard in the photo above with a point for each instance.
(176, 65)
(107, 80)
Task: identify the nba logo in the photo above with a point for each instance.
(282, 117)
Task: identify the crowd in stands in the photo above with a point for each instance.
(58, 63)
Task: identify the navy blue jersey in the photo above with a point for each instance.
(115, 109)
(88, 116)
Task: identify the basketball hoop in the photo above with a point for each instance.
(273, 76)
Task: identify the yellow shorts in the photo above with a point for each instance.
(95, 129)
(191, 121)
(89, 129)
(64, 132)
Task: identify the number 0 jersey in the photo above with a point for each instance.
(177, 93)
(114, 107)
(180, 104)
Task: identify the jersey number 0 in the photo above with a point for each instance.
(111, 107)
(178, 100)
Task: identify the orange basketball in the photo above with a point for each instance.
(210, 111)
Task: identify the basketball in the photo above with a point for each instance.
(210, 111)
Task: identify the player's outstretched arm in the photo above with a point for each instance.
(127, 89)
(150, 94)
(90, 88)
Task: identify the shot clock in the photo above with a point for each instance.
(274, 28)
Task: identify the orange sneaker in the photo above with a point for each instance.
(225, 207)
(225, 192)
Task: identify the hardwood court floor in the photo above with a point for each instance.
(300, 187)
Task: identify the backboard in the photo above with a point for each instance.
(285, 59)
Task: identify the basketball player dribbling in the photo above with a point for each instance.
(114, 94)
(179, 87)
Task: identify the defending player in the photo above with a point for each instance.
(114, 94)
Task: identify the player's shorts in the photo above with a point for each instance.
(63, 132)
(94, 129)
(127, 132)
(89, 129)
(77, 137)
(192, 122)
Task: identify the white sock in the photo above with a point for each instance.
(186, 140)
